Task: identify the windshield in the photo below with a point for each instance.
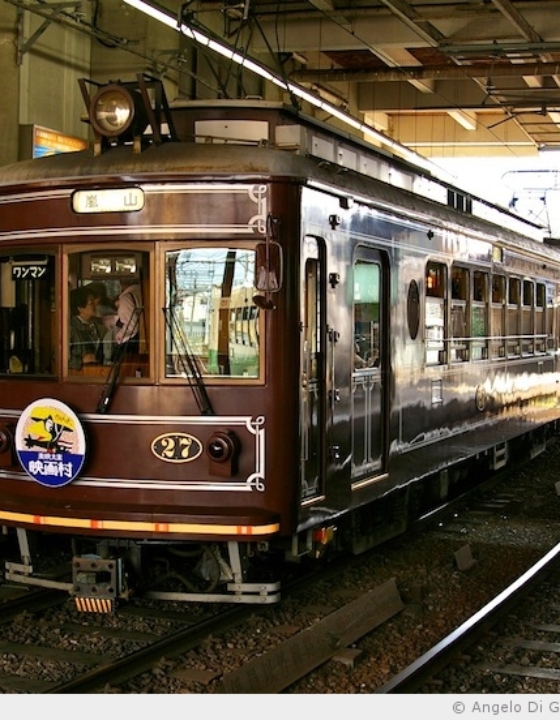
(209, 295)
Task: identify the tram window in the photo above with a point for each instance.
(480, 286)
(480, 296)
(107, 313)
(460, 283)
(540, 318)
(312, 319)
(528, 289)
(459, 314)
(436, 281)
(210, 315)
(366, 314)
(28, 336)
(541, 295)
(527, 324)
(479, 316)
(513, 318)
(497, 343)
(498, 289)
(552, 295)
(514, 291)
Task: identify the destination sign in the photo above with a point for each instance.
(29, 269)
(107, 201)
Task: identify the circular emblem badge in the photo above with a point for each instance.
(480, 398)
(50, 442)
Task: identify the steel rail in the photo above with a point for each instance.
(119, 671)
(426, 666)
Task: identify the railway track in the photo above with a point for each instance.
(301, 645)
(454, 648)
(65, 651)
(72, 653)
(180, 641)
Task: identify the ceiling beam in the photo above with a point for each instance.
(529, 33)
(517, 19)
(327, 7)
(499, 49)
(431, 72)
(410, 17)
(396, 57)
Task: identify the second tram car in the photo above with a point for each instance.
(243, 334)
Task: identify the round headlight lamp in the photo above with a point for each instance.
(223, 449)
(222, 446)
(6, 440)
(116, 111)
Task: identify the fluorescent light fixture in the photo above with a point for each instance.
(554, 115)
(304, 94)
(348, 119)
(298, 57)
(154, 13)
(464, 118)
(167, 18)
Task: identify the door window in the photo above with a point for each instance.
(366, 315)
(28, 335)
(367, 376)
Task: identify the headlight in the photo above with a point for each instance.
(6, 440)
(223, 449)
(115, 110)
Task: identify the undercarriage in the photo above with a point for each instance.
(100, 574)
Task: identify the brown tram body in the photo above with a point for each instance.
(322, 353)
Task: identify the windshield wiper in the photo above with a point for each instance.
(189, 366)
(115, 368)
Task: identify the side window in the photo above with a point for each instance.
(108, 313)
(540, 318)
(28, 336)
(435, 291)
(212, 323)
(312, 322)
(497, 315)
(479, 316)
(513, 317)
(366, 315)
(460, 296)
(527, 328)
(552, 295)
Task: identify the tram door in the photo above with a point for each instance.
(312, 372)
(367, 366)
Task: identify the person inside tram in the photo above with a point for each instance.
(126, 322)
(129, 306)
(106, 313)
(359, 361)
(105, 307)
(368, 359)
(85, 335)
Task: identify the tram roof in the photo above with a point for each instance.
(276, 143)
